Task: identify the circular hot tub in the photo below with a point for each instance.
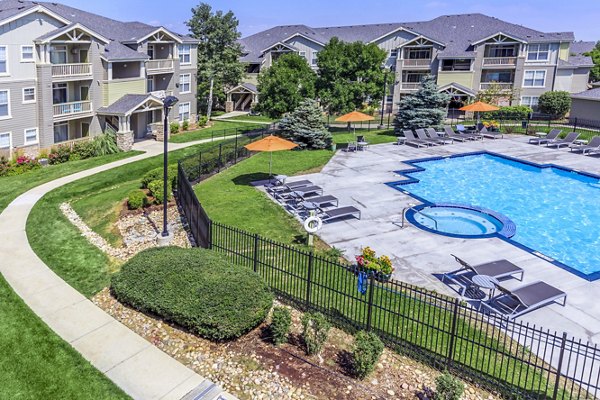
(460, 220)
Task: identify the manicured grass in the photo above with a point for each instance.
(37, 364)
(219, 129)
(341, 136)
(230, 199)
(13, 186)
(257, 118)
(96, 199)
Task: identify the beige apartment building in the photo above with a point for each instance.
(67, 74)
(467, 53)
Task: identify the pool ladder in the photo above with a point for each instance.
(417, 212)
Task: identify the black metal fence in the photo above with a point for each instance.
(517, 359)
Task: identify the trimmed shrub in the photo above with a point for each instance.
(508, 112)
(136, 199)
(185, 125)
(174, 127)
(367, 350)
(281, 321)
(156, 189)
(157, 174)
(198, 289)
(106, 144)
(84, 149)
(556, 104)
(59, 154)
(448, 387)
(315, 329)
(202, 121)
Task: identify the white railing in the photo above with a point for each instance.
(159, 65)
(161, 94)
(68, 70)
(500, 61)
(501, 85)
(410, 85)
(419, 62)
(75, 107)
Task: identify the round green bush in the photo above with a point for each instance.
(198, 289)
(157, 190)
(136, 199)
(281, 321)
(156, 174)
(367, 350)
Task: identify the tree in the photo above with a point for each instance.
(285, 84)
(350, 75)
(496, 92)
(305, 126)
(219, 52)
(423, 109)
(595, 71)
(556, 104)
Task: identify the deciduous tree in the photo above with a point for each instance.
(595, 54)
(556, 103)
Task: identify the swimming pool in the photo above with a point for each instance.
(556, 211)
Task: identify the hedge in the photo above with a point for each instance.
(198, 289)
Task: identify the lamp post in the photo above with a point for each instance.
(168, 102)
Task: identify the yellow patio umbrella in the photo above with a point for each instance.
(354, 116)
(478, 107)
(270, 144)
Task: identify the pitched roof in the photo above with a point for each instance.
(115, 31)
(456, 32)
(127, 104)
(576, 57)
(592, 94)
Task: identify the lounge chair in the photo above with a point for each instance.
(288, 186)
(291, 194)
(516, 302)
(439, 136)
(592, 147)
(323, 200)
(341, 212)
(491, 134)
(550, 137)
(453, 135)
(468, 133)
(462, 129)
(498, 269)
(422, 135)
(569, 139)
(411, 139)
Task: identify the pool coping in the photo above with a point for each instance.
(396, 185)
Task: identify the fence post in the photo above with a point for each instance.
(210, 233)
(311, 260)
(559, 366)
(370, 303)
(236, 148)
(255, 260)
(453, 332)
(575, 124)
(220, 155)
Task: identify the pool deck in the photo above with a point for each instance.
(419, 257)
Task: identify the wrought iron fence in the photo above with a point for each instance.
(517, 359)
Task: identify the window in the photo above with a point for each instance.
(501, 50)
(497, 76)
(302, 54)
(314, 58)
(58, 54)
(538, 52)
(535, 79)
(31, 136)
(185, 85)
(184, 112)
(531, 101)
(456, 65)
(5, 140)
(394, 53)
(59, 93)
(29, 95)
(27, 54)
(417, 54)
(61, 132)
(4, 104)
(185, 54)
(3, 61)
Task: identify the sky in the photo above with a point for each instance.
(579, 16)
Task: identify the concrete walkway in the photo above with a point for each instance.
(135, 365)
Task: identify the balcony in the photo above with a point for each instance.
(159, 66)
(71, 71)
(410, 85)
(417, 63)
(161, 94)
(501, 85)
(499, 61)
(64, 111)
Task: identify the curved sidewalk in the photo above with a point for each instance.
(142, 370)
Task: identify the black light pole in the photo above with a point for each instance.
(384, 93)
(168, 102)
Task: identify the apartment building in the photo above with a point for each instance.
(67, 74)
(467, 53)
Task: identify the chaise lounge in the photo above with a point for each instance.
(568, 140)
(526, 298)
(411, 139)
(549, 138)
(439, 136)
(592, 147)
(423, 136)
(453, 135)
(341, 212)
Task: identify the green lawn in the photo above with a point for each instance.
(13, 186)
(219, 129)
(256, 118)
(97, 200)
(341, 136)
(37, 364)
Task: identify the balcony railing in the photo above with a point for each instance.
(492, 61)
(501, 85)
(73, 108)
(71, 70)
(159, 65)
(418, 62)
(161, 94)
(410, 85)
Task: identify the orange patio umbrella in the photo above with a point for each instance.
(354, 116)
(270, 144)
(478, 107)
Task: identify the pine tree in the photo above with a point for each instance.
(305, 126)
(423, 109)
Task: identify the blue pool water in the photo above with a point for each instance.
(556, 212)
(457, 221)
